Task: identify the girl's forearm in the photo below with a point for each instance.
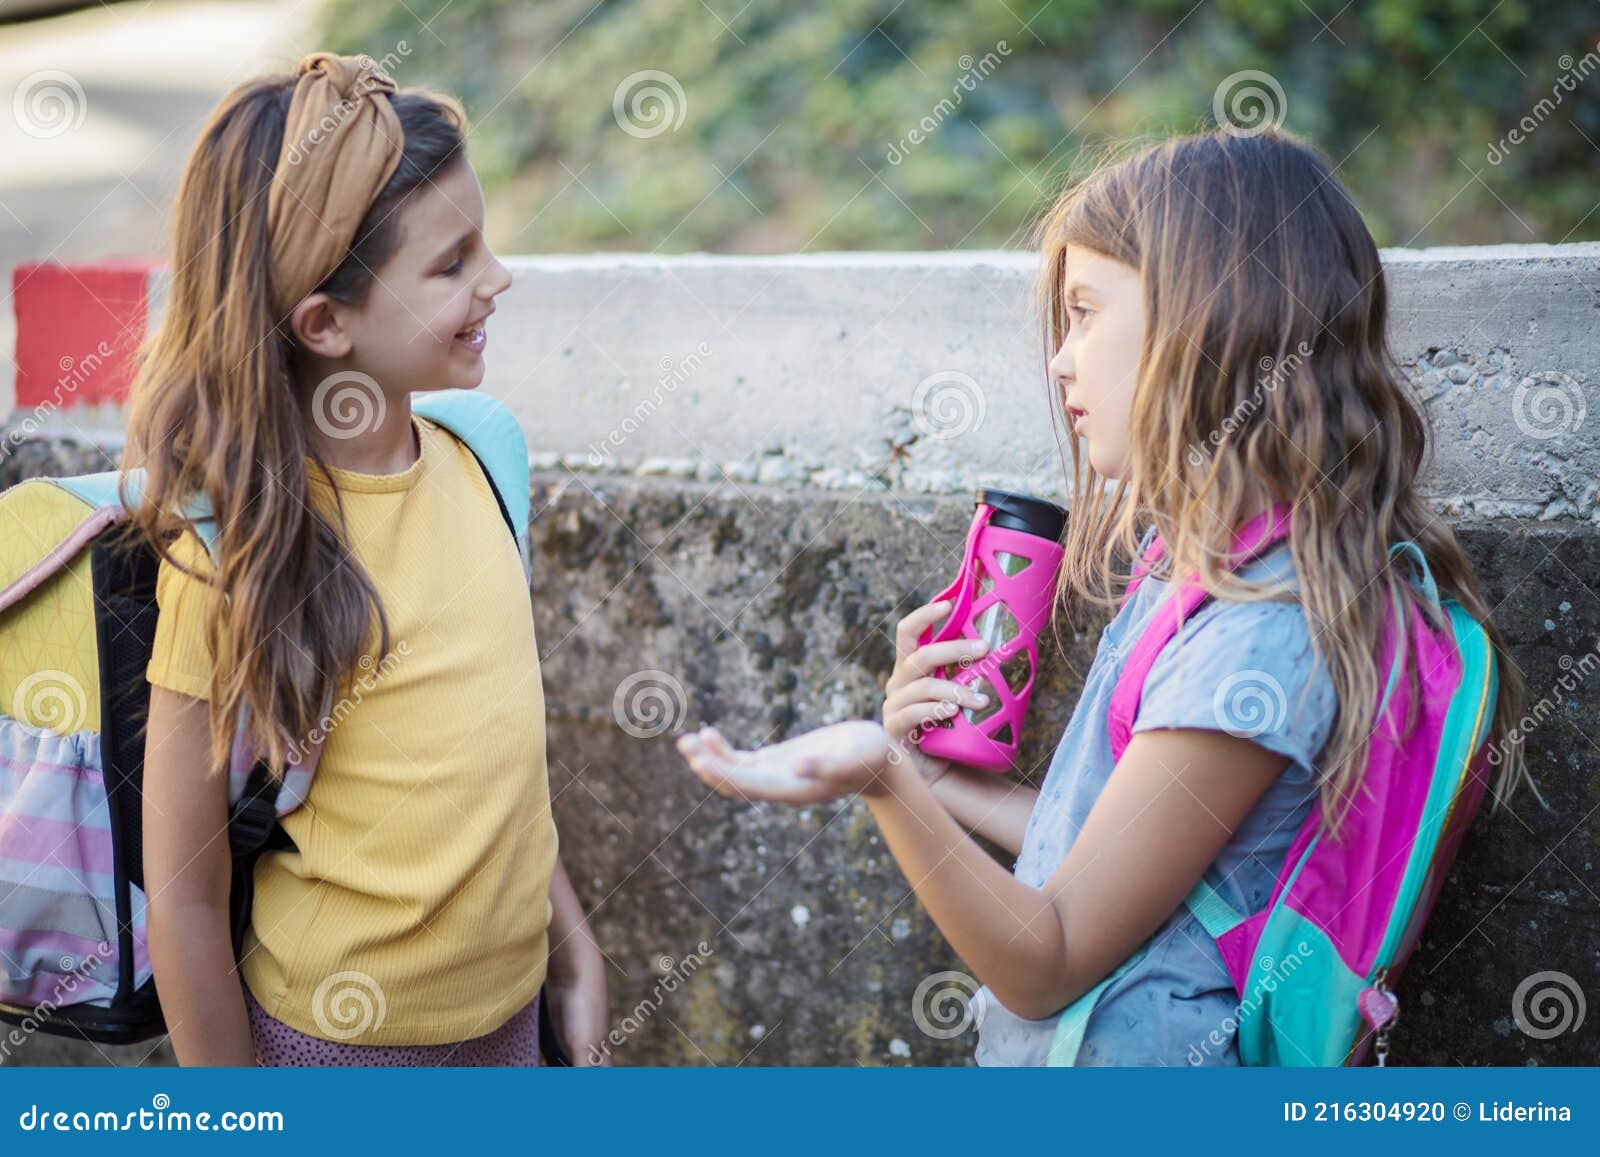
(202, 997)
(992, 806)
(573, 948)
(576, 985)
(1008, 933)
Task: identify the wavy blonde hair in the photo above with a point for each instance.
(1265, 372)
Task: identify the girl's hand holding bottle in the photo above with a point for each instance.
(915, 698)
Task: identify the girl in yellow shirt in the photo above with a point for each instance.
(362, 593)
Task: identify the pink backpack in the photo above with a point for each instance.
(1316, 969)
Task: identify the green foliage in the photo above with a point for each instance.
(923, 124)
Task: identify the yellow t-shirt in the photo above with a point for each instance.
(415, 905)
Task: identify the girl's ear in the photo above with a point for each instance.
(318, 327)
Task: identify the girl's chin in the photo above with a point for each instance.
(457, 373)
(1110, 470)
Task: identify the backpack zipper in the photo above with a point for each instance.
(1380, 1045)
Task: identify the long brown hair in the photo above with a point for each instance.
(216, 412)
(1265, 369)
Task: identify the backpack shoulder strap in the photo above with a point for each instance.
(1162, 629)
(108, 488)
(495, 437)
(1261, 532)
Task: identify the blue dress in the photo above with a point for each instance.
(1247, 668)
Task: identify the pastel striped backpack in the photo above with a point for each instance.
(77, 624)
(1316, 970)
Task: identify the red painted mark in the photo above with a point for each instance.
(78, 330)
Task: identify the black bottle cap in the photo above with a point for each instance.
(1024, 512)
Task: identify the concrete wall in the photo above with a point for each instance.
(747, 469)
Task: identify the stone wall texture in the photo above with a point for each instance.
(743, 478)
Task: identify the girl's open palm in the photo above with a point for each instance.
(820, 765)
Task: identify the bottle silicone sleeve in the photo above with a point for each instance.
(991, 737)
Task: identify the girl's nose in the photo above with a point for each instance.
(1061, 368)
(497, 279)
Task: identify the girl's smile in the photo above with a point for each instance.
(474, 337)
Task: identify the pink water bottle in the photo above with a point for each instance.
(1003, 596)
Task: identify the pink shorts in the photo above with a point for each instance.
(515, 1043)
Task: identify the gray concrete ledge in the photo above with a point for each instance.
(924, 372)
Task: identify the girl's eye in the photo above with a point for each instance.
(1080, 312)
(453, 268)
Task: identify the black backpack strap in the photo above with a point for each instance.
(253, 828)
(253, 816)
(495, 490)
